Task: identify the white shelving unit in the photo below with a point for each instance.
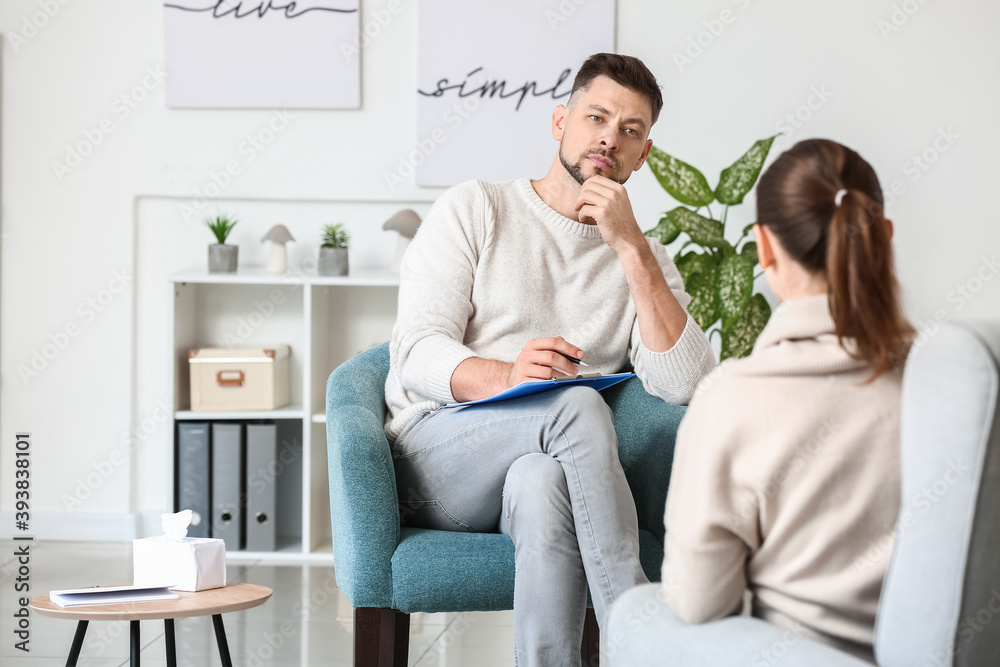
(325, 320)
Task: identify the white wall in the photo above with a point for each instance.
(63, 240)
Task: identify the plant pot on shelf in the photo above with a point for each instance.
(332, 261)
(222, 258)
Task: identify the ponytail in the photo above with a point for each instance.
(824, 203)
(863, 291)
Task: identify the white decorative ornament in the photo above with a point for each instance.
(277, 261)
(405, 223)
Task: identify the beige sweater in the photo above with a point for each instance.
(786, 481)
(494, 266)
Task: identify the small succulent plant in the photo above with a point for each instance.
(221, 225)
(335, 236)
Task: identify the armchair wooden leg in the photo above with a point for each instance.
(366, 636)
(591, 649)
(395, 642)
(381, 637)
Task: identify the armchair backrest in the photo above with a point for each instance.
(646, 427)
(940, 603)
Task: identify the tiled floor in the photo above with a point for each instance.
(306, 622)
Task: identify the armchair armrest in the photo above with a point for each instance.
(647, 430)
(363, 506)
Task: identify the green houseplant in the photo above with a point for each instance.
(221, 257)
(333, 251)
(718, 275)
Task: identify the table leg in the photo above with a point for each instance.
(74, 649)
(168, 637)
(136, 645)
(220, 637)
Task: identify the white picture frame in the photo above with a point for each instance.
(489, 77)
(261, 54)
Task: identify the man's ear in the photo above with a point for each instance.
(558, 121)
(642, 157)
(765, 252)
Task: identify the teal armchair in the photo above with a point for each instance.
(387, 571)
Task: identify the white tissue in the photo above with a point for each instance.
(175, 526)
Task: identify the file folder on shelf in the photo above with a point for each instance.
(228, 474)
(193, 466)
(262, 448)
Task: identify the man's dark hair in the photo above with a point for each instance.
(626, 71)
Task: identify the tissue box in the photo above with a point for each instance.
(189, 564)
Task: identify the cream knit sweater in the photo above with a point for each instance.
(786, 481)
(494, 266)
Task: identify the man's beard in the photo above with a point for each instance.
(576, 170)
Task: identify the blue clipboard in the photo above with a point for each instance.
(598, 382)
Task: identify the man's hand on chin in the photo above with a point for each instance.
(605, 202)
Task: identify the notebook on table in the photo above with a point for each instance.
(78, 597)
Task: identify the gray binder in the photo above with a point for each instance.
(192, 475)
(262, 447)
(227, 484)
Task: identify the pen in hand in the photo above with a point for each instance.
(575, 361)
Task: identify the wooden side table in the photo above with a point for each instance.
(214, 602)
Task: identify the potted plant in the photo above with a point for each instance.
(718, 275)
(333, 251)
(222, 257)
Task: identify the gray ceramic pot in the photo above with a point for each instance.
(222, 258)
(332, 261)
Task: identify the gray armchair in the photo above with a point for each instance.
(940, 603)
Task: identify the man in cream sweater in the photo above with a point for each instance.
(502, 283)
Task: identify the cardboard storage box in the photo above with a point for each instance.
(239, 378)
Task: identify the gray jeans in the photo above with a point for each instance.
(544, 470)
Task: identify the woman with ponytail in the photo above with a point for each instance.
(785, 480)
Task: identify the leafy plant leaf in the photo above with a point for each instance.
(740, 339)
(704, 306)
(693, 262)
(734, 284)
(683, 247)
(738, 179)
(681, 181)
(665, 232)
(703, 231)
(749, 253)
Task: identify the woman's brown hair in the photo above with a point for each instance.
(849, 241)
